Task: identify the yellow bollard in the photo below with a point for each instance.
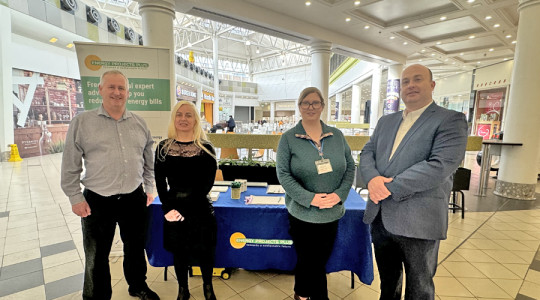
(14, 153)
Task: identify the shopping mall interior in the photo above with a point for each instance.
(250, 59)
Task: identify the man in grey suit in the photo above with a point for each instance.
(408, 165)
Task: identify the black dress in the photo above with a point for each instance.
(189, 172)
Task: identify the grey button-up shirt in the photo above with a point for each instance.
(117, 155)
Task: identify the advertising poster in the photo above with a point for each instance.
(391, 104)
(43, 106)
(148, 71)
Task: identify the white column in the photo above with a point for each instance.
(233, 107)
(157, 22)
(320, 71)
(376, 109)
(272, 112)
(339, 106)
(356, 101)
(391, 103)
(517, 172)
(215, 58)
(6, 96)
(199, 99)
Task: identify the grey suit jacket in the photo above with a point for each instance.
(422, 169)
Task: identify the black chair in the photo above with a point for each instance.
(462, 179)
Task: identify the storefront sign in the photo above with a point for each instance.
(184, 92)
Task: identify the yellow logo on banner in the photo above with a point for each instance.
(238, 240)
(88, 62)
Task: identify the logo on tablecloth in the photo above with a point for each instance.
(238, 241)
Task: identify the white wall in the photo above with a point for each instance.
(357, 73)
(28, 54)
(283, 84)
(457, 84)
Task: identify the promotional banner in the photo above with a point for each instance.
(391, 104)
(146, 68)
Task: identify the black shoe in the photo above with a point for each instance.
(208, 291)
(145, 294)
(183, 293)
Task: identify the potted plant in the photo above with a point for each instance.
(236, 190)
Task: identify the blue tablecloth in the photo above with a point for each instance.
(255, 237)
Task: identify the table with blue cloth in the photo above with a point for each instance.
(256, 237)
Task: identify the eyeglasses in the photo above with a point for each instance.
(306, 105)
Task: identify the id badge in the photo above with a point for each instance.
(323, 166)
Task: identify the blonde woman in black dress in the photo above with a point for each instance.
(185, 168)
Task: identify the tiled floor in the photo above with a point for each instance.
(491, 254)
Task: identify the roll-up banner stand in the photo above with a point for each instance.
(148, 71)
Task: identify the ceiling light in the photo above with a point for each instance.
(423, 50)
(454, 63)
(442, 18)
(392, 37)
(508, 36)
(248, 43)
(406, 27)
(461, 53)
(257, 51)
(420, 59)
(446, 59)
(356, 3)
(262, 58)
(488, 17)
(505, 59)
(70, 45)
(189, 45)
(497, 25)
(308, 3)
(432, 54)
(513, 42)
(470, 1)
(438, 43)
(405, 43)
(472, 37)
(366, 27)
(347, 19)
(491, 50)
(53, 40)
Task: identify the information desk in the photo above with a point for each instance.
(255, 237)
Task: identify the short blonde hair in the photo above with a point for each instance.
(199, 136)
(308, 91)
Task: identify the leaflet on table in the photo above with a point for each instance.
(265, 200)
(275, 189)
(249, 183)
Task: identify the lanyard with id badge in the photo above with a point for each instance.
(323, 165)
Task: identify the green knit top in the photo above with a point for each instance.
(298, 174)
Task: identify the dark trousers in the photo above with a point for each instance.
(418, 256)
(130, 212)
(313, 243)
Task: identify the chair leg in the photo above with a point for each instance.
(462, 204)
(454, 203)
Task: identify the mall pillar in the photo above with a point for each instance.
(339, 106)
(6, 85)
(356, 102)
(157, 22)
(518, 171)
(376, 110)
(393, 87)
(199, 100)
(320, 71)
(215, 113)
(272, 112)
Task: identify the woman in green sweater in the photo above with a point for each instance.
(316, 169)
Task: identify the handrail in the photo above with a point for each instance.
(271, 141)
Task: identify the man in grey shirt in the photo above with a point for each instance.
(116, 147)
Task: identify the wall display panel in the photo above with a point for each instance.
(489, 111)
(43, 106)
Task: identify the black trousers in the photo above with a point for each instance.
(313, 243)
(129, 211)
(417, 256)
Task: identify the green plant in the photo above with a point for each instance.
(57, 147)
(246, 162)
(236, 184)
